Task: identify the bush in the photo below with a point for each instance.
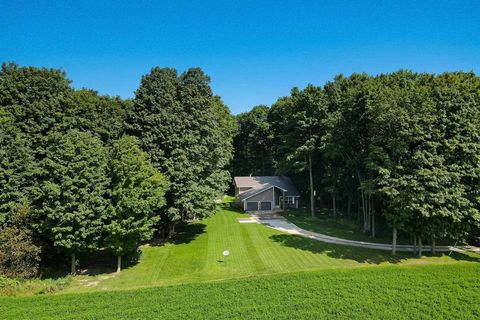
(14, 287)
(19, 256)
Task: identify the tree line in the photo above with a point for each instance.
(401, 150)
(80, 171)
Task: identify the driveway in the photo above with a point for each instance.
(281, 224)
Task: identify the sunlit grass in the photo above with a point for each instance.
(393, 292)
(196, 256)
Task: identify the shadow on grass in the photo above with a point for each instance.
(362, 255)
(187, 232)
(88, 263)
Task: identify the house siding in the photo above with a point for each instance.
(266, 195)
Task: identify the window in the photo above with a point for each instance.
(288, 200)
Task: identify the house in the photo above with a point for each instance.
(265, 193)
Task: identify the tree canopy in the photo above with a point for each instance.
(400, 149)
(187, 132)
(137, 197)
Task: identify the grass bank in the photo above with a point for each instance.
(391, 292)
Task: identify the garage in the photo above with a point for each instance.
(252, 206)
(266, 206)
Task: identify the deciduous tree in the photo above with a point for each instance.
(137, 197)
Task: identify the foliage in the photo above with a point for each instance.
(19, 256)
(137, 196)
(72, 207)
(37, 99)
(16, 166)
(186, 133)
(252, 144)
(14, 287)
(103, 116)
(397, 149)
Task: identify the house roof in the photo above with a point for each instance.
(251, 192)
(262, 183)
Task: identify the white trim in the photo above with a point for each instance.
(287, 199)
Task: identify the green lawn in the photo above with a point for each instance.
(392, 292)
(336, 227)
(268, 275)
(196, 256)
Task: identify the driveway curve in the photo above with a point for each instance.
(281, 224)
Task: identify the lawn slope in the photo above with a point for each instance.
(196, 256)
(391, 292)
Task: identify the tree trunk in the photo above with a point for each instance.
(119, 263)
(433, 246)
(373, 225)
(364, 202)
(162, 232)
(73, 268)
(312, 196)
(334, 198)
(364, 210)
(349, 205)
(414, 244)
(419, 247)
(359, 205)
(171, 229)
(394, 241)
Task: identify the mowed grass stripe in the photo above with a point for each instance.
(275, 259)
(196, 255)
(250, 245)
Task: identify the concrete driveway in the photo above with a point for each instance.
(281, 224)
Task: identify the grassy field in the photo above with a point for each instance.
(391, 292)
(267, 275)
(196, 256)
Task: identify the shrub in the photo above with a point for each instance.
(19, 256)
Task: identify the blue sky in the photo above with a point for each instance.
(254, 51)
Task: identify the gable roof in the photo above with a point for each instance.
(261, 183)
(251, 192)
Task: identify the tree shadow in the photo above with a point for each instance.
(88, 263)
(104, 261)
(362, 255)
(187, 232)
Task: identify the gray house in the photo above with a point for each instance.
(265, 193)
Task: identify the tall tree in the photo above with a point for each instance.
(176, 119)
(253, 154)
(137, 196)
(104, 116)
(16, 166)
(37, 98)
(74, 192)
(305, 130)
(349, 137)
